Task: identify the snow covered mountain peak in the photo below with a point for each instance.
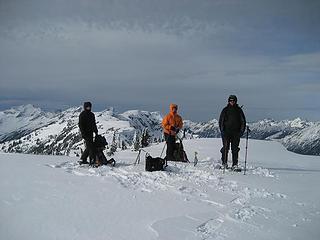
(298, 123)
(23, 111)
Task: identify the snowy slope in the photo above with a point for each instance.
(50, 197)
(203, 129)
(20, 121)
(271, 129)
(306, 141)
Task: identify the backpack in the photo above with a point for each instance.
(179, 155)
(154, 164)
(100, 142)
(102, 160)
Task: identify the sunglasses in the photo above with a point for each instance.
(231, 100)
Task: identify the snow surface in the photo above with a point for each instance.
(51, 197)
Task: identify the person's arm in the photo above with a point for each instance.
(166, 124)
(95, 129)
(180, 123)
(80, 124)
(243, 122)
(221, 120)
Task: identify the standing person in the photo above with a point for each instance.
(172, 123)
(87, 125)
(232, 124)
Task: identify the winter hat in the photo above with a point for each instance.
(87, 104)
(172, 106)
(233, 97)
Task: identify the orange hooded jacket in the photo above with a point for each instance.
(172, 120)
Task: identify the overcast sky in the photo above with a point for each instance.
(144, 54)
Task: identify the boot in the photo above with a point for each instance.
(224, 158)
(83, 161)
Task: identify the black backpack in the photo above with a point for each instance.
(154, 164)
(100, 142)
(179, 154)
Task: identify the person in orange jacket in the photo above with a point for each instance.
(172, 123)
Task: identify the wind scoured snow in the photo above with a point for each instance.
(52, 197)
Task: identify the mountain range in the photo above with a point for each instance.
(28, 129)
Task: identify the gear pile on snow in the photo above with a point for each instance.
(100, 143)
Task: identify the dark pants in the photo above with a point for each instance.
(171, 144)
(89, 151)
(234, 140)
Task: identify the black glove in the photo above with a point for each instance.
(88, 139)
(177, 130)
(222, 133)
(173, 128)
(242, 132)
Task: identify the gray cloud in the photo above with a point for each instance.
(146, 54)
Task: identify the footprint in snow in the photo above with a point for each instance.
(210, 229)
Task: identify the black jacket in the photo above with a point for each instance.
(232, 120)
(87, 124)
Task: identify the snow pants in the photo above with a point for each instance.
(89, 151)
(171, 144)
(234, 140)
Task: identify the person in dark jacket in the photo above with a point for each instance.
(87, 125)
(232, 124)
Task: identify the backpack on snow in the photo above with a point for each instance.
(179, 155)
(154, 164)
(100, 143)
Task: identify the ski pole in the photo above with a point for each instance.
(246, 156)
(163, 149)
(138, 158)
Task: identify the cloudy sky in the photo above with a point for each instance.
(144, 54)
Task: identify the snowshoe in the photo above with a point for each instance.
(83, 162)
(235, 168)
(112, 162)
(224, 166)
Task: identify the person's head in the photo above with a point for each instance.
(87, 106)
(232, 100)
(173, 108)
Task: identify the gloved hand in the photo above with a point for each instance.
(89, 139)
(173, 128)
(177, 130)
(241, 133)
(222, 133)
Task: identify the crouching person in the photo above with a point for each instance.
(172, 123)
(87, 125)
